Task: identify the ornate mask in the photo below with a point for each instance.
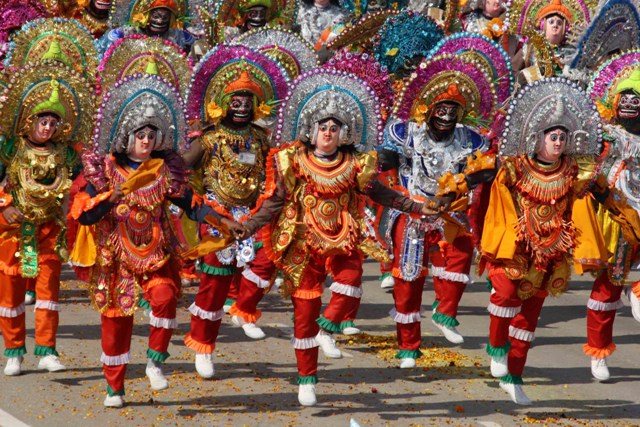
(628, 112)
(444, 118)
(256, 17)
(99, 9)
(240, 110)
(159, 21)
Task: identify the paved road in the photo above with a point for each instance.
(254, 383)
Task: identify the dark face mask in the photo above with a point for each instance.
(256, 17)
(240, 111)
(99, 9)
(444, 117)
(159, 21)
(628, 112)
(409, 66)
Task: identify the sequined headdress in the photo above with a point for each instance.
(135, 54)
(207, 95)
(362, 7)
(452, 78)
(548, 103)
(48, 86)
(365, 67)
(405, 36)
(610, 78)
(615, 28)
(526, 16)
(64, 40)
(294, 53)
(230, 13)
(136, 12)
(14, 13)
(359, 33)
(329, 93)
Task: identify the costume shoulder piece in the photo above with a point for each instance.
(294, 53)
(64, 40)
(137, 54)
(48, 86)
(547, 103)
(325, 93)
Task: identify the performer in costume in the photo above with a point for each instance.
(45, 107)
(316, 16)
(232, 87)
(134, 171)
(93, 14)
(313, 206)
(539, 218)
(616, 90)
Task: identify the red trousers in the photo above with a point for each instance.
(255, 282)
(346, 292)
(513, 319)
(601, 313)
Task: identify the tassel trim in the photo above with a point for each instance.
(206, 315)
(41, 350)
(156, 356)
(198, 346)
(309, 379)
(248, 317)
(12, 312)
(121, 359)
(163, 322)
(521, 334)
(444, 319)
(350, 291)
(403, 318)
(304, 343)
(604, 306)
(229, 302)
(506, 312)
(512, 379)
(385, 275)
(600, 353)
(498, 351)
(47, 305)
(328, 325)
(405, 354)
(254, 278)
(347, 324)
(218, 271)
(441, 273)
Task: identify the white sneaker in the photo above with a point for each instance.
(51, 363)
(635, 304)
(499, 367)
(114, 401)
(204, 365)
(387, 283)
(226, 307)
(29, 299)
(516, 393)
(407, 363)
(155, 375)
(253, 332)
(450, 333)
(351, 330)
(13, 366)
(328, 345)
(307, 394)
(599, 368)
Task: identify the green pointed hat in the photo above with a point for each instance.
(152, 67)
(53, 104)
(55, 52)
(630, 83)
(248, 4)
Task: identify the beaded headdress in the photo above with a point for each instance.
(328, 93)
(549, 103)
(231, 13)
(615, 28)
(617, 74)
(207, 96)
(134, 54)
(294, 53)
(48, 86)
(448, 78)
(359, 33)
(136, 12)
(526, 16)
(484, 52)
(64, 40)
(405, 36)
(365, 67)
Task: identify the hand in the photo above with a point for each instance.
(117, 194)
(440, 204)
(12, 215)
(238, 231)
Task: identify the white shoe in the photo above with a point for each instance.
(155, 375)
(450, 333)
(516, 393)
(29, 299)
(226, 307)
(351, 330)
(407, 363)
(499, 366)
(114, 401)
(599, 368)
(204, 365)
(13, 366)
(328, 345)
(253, 332)
(51, 363)
(387, 283)
(635, 304)
(307, 394)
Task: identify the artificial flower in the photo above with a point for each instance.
(215, 112)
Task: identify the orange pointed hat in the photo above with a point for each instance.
(244, 83)
(555, 8)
